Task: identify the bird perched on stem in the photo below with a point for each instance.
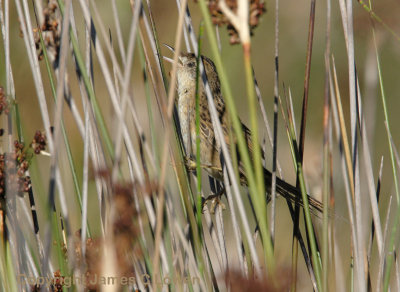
(210, 150)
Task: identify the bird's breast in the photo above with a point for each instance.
(186, 112)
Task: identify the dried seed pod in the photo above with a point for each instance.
(256, 10)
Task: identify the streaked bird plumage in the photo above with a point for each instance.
(210, 150)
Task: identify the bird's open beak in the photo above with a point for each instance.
(169, 59)
(170, 48)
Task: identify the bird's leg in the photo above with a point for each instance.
(215, 201)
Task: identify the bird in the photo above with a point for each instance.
(210, 150)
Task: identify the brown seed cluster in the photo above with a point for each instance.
(257, 8)
(4, 103)
(39, 142)
(55, 286)
(4, 106)
(13, 166)
(51, 31)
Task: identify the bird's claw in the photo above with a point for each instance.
(190, 163)
(215, 202)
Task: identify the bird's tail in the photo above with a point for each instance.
(291, 193)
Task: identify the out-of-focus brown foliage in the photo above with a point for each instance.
(51, 31)
(124, 232)
(238, 283)
(257, 9)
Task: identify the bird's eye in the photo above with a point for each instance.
(191, 65)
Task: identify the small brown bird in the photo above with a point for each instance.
(210, 150)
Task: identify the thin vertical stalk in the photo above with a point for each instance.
(198, 149)
(275, 134)
(260, 198)
(238, 131)
(327, 154)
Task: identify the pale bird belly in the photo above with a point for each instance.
(209, 157)
(183, 113)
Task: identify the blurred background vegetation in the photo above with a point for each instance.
(293, 26)
(292, 45)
